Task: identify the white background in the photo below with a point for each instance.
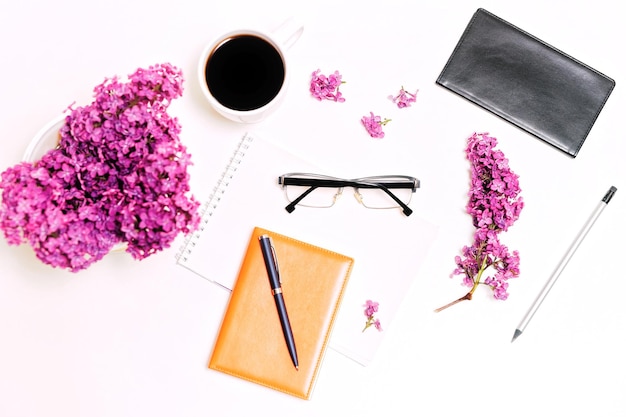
(128, 338)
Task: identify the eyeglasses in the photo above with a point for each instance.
(321, 191)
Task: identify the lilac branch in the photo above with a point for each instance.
(494, 204)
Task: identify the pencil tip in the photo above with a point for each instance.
(516, 335)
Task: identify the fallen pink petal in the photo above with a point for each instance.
(374, 125)
(371, 308)
(404, 99)
(326, 87)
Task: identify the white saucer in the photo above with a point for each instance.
(47, 138)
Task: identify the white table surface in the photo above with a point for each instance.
(129, 338)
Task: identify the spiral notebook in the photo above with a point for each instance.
(385, 244)
(247, 194)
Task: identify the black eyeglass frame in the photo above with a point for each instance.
(331, 182)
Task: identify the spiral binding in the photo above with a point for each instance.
(208, 208)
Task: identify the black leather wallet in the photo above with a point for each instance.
(527, 82)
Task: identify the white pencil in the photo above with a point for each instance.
(581, 236)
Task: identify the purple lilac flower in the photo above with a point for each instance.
(371, 308)
(326, 87)
(494, 204)
(404, 99)
(119, 174)
(374, 125)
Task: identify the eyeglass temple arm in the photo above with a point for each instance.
(405, 209)
(292, 206)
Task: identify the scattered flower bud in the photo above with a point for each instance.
(374, 125)
(371, 308)
(404, 99)
(326, 88)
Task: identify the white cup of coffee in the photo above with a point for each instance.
(244, 73)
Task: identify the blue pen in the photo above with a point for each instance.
(269, 256)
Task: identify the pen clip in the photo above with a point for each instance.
(275, 259)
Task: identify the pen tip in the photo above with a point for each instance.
(297, 368)
(516, 335)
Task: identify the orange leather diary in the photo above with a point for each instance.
(251, 345)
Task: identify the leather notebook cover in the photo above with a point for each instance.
(526, 82)
(251, 345)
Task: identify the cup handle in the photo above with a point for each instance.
(288, 33)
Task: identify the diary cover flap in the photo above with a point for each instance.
(526, 82)
(251, 345)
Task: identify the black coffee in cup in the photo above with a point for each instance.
(244, 72)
